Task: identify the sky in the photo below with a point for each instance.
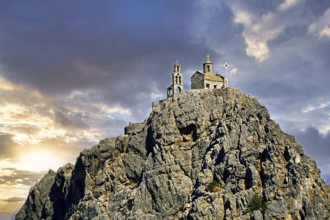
(74, 72)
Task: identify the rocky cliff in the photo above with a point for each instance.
(202, 154)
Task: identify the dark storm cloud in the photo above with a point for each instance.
(78, 71)
(120, 49)
(121, 52)
(73, 121)
(61, 46)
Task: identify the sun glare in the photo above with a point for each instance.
(39, 161)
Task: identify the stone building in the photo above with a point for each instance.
(207, 79)
(177, 81)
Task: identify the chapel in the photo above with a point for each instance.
(177, 81)
(207, 79)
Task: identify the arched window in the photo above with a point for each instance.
(169, 92)
(208, 68)
(176, 79)
(179, 79)
(178, 90)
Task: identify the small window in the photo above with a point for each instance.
(215, 86)
(207, 85)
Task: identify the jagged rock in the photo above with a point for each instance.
(202, 154)
(46, 198)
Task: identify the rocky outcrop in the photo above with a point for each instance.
(46, 198)
(202, 154)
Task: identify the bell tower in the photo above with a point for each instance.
(208, 65)
(177, 81)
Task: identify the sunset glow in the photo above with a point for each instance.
(39, 161)
(73, 73)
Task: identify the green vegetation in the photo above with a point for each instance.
(213, 187)
(257, 202)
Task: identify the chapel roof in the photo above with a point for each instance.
(212, 77)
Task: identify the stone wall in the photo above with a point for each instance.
(197, 81)
(212, 84)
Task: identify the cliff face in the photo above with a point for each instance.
(203, 154)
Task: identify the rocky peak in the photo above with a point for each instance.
(201, 154)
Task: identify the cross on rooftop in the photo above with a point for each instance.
(226, 66)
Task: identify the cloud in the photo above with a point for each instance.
(37, 129)
(326, 177)
(310, 108)
(76, 116)
(315, 114)
(14, 199)
(257, 49)
(287, 4)
(8, 148)
(261, 27)
(317, 146)
(107, 46)
(23, 178)
(321, 27)
(14, 187)
(72, 73)
(233, 71)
